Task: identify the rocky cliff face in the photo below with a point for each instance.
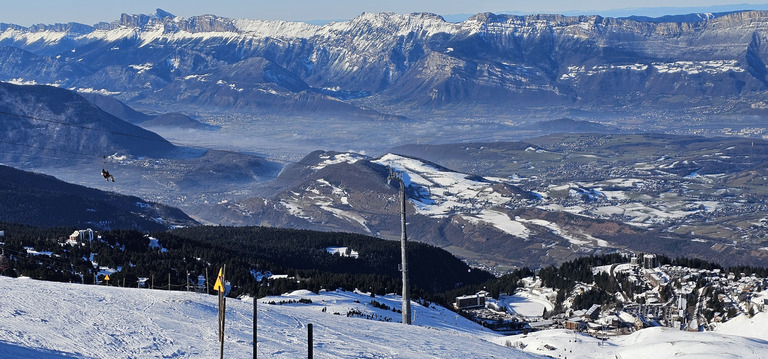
(409, 61)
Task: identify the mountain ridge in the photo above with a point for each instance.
(513, 58)
(488, 221)
(51, 121)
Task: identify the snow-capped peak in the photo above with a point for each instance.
(162, 14)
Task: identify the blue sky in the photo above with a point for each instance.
(28, 12)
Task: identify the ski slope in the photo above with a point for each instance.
(49, 320)
(41, 319)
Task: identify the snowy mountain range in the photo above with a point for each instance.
(109, 322)
(378, 65)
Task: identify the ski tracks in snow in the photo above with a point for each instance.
(109, 322)
(337, 336)
(59, 320)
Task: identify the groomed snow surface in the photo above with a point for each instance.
(41, 319)
(60, 320)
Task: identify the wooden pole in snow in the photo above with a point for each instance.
(220, 286)
(309, 341)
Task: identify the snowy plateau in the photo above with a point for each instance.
(50, 320)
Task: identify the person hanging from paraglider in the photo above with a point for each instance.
(107, 175)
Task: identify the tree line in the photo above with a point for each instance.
(300, 254)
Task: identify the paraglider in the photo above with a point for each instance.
(104, 173)
(107, 175)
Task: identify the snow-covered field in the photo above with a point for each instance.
(61, 320)
(529, 301)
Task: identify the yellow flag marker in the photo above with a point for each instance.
(219, 285)
(106, 277)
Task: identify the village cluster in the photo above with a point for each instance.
(674, 296)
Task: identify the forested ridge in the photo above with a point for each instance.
(299, 254)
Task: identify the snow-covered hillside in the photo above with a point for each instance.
(60, 320)
(441, 191)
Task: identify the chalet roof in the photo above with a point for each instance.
(592, 309)
(626, 317)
